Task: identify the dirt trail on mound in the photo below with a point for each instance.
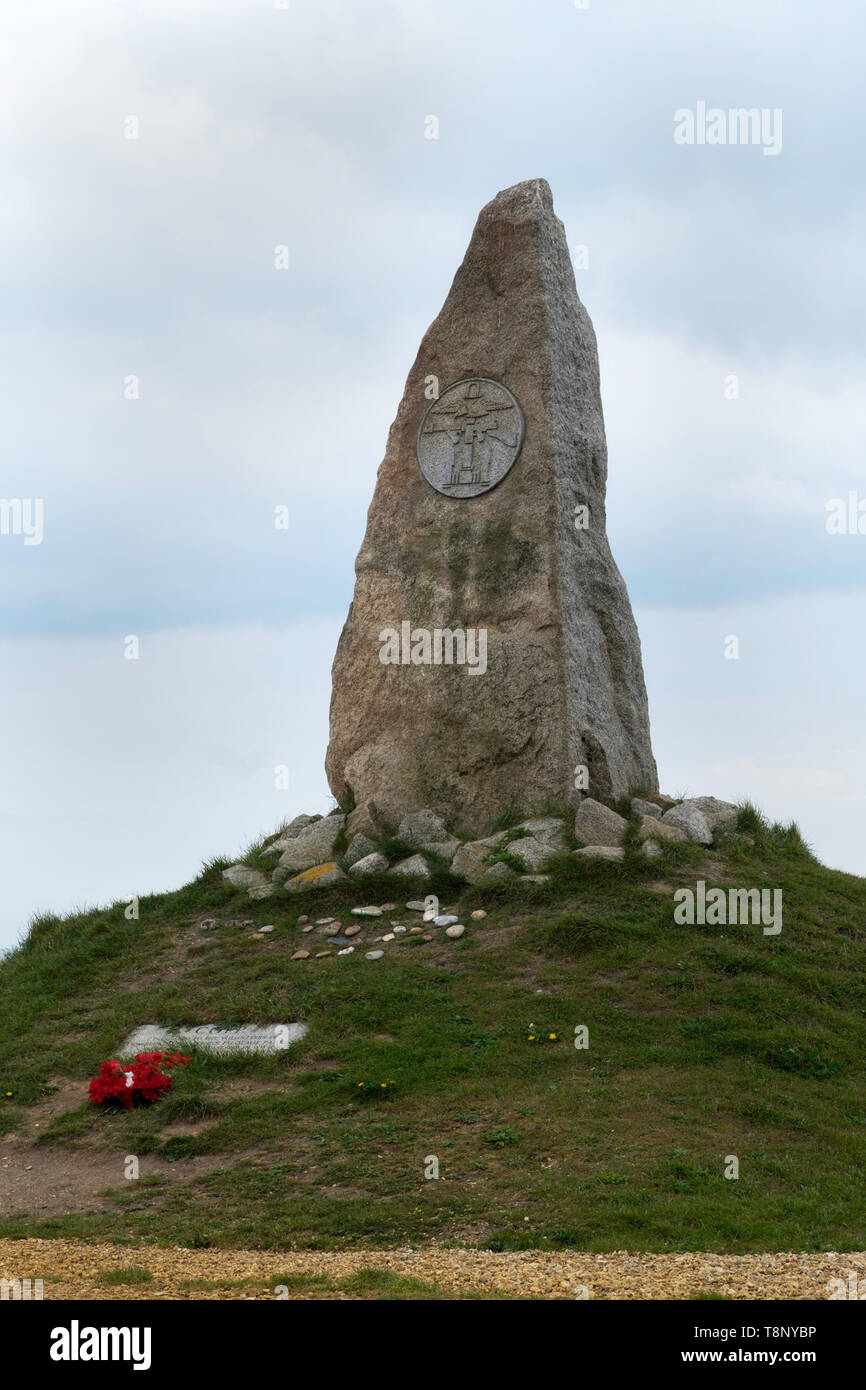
(73, 1269)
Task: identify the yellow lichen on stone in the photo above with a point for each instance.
(310, 875)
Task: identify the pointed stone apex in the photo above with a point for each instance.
(526, 199)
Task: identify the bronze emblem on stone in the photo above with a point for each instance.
(470, 437)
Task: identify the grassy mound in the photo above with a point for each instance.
(705, 1042)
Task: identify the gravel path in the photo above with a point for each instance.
(72, 1269)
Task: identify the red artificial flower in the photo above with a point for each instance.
(141, 1081)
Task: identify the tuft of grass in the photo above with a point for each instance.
(128, 1274)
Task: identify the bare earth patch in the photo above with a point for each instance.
(44, 1181)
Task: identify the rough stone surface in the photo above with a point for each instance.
(320, 876)
(289, 832)
(371, 864)
(651, 829)
(313, 845)
(455, 931)
(470, 861)
(532, 854)
(446, 849)
(600, 852)
(365, 820)
(241, 876)
(498, 873)
(692, 822)
(264, 890)
(550, 830)
(651, 849)
(415, 866)
(595, 824)
(422, 827)
(721, 815)
(563, 684)
(359, 847)
(645, 808)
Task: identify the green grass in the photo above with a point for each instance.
(130, 1274)
(379, 1285)
(704, 1042)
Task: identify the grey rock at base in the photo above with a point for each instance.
(563, 685)
(445, 849)
(550, 830)
(366, 820)
(692, 822)
(595, 824)
(414, 866)
(374, 863)
(645, 808)
(533, 855)
(612, 852)
(289, 832)
(721, 815)
(242, 876)
(314, 845)
(263, 890)
(498, 873)
(651, 849)
(422, 827)
(359, 847)
(472, 859)
(328, 874)
(651, 829)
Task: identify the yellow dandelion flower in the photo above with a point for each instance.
(552, 1036)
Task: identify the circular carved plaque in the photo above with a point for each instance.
(470, 437)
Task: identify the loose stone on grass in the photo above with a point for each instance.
(374, 863)
(413, 867)
(596, 824)
(691, 821)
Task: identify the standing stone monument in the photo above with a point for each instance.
(490, 659)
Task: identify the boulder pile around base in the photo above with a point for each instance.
(314, 852)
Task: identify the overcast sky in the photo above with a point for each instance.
(153, 258)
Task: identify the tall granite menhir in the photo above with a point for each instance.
(489, 514)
